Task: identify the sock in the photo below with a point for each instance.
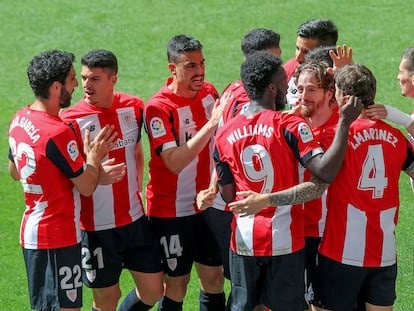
(132, 303)
(212, 302)
(167, 304)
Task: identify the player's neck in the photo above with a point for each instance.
(320, 117)
(181, 90)
(256, 107)
(46, 106)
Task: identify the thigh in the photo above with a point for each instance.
(219, 223)
(54, 277)
(177, 244)
(337, 285)
(379, 286)
(143, 252)
(101, 258)
(245, 274)
(284, 282)
(206, 249)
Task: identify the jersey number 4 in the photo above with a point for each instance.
(373, 172)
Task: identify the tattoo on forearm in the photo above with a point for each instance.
(298, 194)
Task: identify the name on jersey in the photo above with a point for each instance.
(372, 134)
(27, 126)
(250, 130)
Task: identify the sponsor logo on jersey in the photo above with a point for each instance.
(72, 294)
(73, 150)
(157, 127)
(305, 132)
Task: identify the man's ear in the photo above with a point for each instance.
(273, 88)
(172, 68)
(114, 79)
(330, 71)
(55, 87)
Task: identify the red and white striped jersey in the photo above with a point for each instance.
(292, 92)
(172, 120)
(315, 210)
(46, 155)
(120, 203)
(262, 153)
(363, 200)
(239, 101)
(236, 105)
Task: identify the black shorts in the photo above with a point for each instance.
(220, 224)
(311, 253)
(339, 286)
(185, 240)
(54, 277)
(274, 281)
(105, 253)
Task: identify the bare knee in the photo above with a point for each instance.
(211, 278)
(106, 299)
(176, 287)
(150, 286)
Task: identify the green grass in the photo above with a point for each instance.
(138, 31)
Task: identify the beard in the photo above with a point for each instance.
(280, 101)
(306, 112)
(65, 98)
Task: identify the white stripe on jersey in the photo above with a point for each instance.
(32, 224)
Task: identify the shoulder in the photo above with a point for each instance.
(229, 126)
(127, 99)
(290, 67)
(209, 86)
(233, 86)
(80, 108)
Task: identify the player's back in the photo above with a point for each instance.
(363, 200)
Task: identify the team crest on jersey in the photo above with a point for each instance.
(157, 127)
(127, 119)
(172, 263)
(72, 149)
(305, 132)
(72, 294)
(91, 275)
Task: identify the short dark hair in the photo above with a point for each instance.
(356, 79)
(320, 54)
(258, 40)
(257, 72)
(408, 55)
(46, 68)
(323, 30)
(179, 44)
(104, 59)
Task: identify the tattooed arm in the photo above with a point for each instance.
(254, 202)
